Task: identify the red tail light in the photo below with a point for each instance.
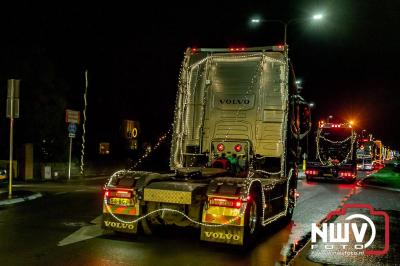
(346, 174)
(118, 193)
(237, 49)
(220, 147)
(123, 194)
(222, 202)
(311, 172)
(278, 48)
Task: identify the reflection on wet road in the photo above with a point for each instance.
(182, 247)
(69, 216)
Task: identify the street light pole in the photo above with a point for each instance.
(285, 25)
(286, 50)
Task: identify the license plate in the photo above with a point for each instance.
(327, 175)
(119, 201)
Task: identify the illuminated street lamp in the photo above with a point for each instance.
(317, 16)
(298, 85)
(285, 23)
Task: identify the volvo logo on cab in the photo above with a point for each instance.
(234, 101)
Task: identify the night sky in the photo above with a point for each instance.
(348, 62)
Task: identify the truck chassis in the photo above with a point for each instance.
(226, 209)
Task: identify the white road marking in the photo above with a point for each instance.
(96, 220)
(84, 233)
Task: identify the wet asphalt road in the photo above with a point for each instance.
(63, 228)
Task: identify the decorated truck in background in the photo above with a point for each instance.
(234, 152)
(369, 154)
(336, 146)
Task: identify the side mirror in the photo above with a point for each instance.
(305, 125)
(301, 125)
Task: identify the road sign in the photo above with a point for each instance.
(15, 106)
(71, 135)
(72, 116)
(72, 128)
(13, 98)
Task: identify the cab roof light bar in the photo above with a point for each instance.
(333, 125)
(275, 48)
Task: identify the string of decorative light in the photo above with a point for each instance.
(167, 210)
(284, 127)
(328, 162)
(335, 142)
(247, 189)
(149, 150)
(268, 173)
(176, 150)
(191, 90)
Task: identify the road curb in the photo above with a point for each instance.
(300, 257)
(18, 200)
(362, 184)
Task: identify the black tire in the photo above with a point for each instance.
(147, 227)
(352, 180)
(252, 220)
(291, 204)
(308, 179)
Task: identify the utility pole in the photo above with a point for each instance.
(12, 112)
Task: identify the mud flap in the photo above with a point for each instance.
(111, 223)
(227, 234)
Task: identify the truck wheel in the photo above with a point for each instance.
(252, 219)
(351, 181)
(291, 204)
(146, 226)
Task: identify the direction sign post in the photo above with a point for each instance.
(69, 161)
(72, 118)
